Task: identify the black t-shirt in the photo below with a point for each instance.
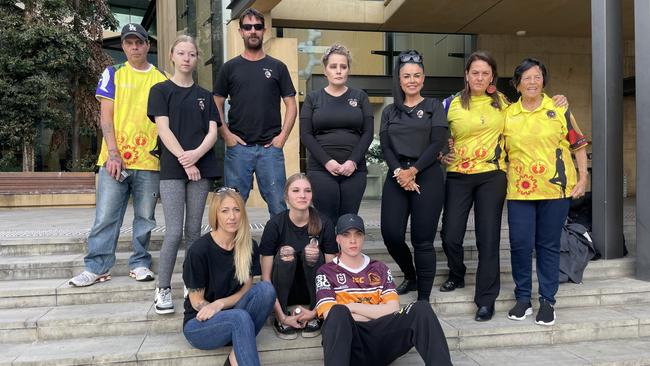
(338, 128)
(255, 89)
(210, 267)
(190, 111)
(280, 231)
(413, 133)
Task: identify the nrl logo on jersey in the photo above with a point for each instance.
(340, 278)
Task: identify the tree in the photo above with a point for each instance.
(50, 55)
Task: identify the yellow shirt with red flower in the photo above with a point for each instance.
(135, 135)
(539, 145)
(477, 134)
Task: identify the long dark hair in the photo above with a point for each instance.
(465, 94)
(398, 93)
(314, 225)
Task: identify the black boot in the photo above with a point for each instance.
(406, 286)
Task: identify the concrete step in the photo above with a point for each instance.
(53, 244)
(49, 292)
(69, 264)
(464, 336)
(603, 353)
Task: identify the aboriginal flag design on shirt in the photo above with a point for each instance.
(135, 135)
(337, 284)
(477, 134)
(539, 145)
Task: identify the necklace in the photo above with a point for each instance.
(415, 106)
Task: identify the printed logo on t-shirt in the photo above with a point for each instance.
(420, 113)
(353, 102)
(389, 276)
(322, 283)
(374, 279)
(340, 278)
(201, 103)
(267, 73)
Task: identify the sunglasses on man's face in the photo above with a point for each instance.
(411, 57)
(257, 26)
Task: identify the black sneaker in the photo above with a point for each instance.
(406, 286)
(312, 329)
(520, 311)
(546, 313)
(284, 331)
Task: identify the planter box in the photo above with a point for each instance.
(47, 189)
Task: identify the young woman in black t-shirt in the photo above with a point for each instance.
(222, 305)
(187, 120)
(295, 243)
(413, 132)
(336, 126)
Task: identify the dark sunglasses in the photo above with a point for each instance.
(410, 57)
(225, 189)
(257, 26)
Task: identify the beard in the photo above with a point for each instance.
(252, 45)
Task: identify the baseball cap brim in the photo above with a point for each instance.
(139, 35)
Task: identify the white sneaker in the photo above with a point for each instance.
(141, 274)
(86, 278)
(163, 301)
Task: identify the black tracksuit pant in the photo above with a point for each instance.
(381, 341)
(486, 191)
(335, 196)
(424, 210)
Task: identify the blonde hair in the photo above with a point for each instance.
(180, 39)
(336, 49)
(243, 241)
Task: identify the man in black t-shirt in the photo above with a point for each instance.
(254, 83)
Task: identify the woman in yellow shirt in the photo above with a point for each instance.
(539, 140)
(476, 177)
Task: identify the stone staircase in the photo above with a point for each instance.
(43, 321)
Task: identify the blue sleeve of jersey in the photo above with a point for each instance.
(106, 85)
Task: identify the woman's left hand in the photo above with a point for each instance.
(209, 310)
(347, 168)
(189, 158)
(560, 101)
(579, 189)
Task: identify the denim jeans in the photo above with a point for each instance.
(536, 224)
(238, 325)
(241, 161)
(111, 202)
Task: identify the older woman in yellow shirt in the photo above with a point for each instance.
(542, 179)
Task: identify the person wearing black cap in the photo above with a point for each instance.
(127, 167)
(413, 132)
(364, 324)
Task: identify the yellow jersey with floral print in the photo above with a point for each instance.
(477, 134)
(539, 145)
(135, 135)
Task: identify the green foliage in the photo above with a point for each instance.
(50, 59)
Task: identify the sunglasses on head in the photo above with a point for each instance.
(411, 57)
(257, 26)
(225, 189)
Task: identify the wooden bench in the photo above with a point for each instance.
(47, 189)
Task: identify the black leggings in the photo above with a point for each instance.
(381, 341)
(286, 283)
(337, 195)
(424, 209)
(486, 191)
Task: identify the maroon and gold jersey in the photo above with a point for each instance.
(338, 284)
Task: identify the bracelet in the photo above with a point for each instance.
(396, 171)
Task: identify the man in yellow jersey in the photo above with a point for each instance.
(127, 166)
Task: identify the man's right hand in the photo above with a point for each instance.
(114, 164)
(231, 140)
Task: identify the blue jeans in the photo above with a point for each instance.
(241, 161)
(111, 202)
(238, 325)
(536, 224)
